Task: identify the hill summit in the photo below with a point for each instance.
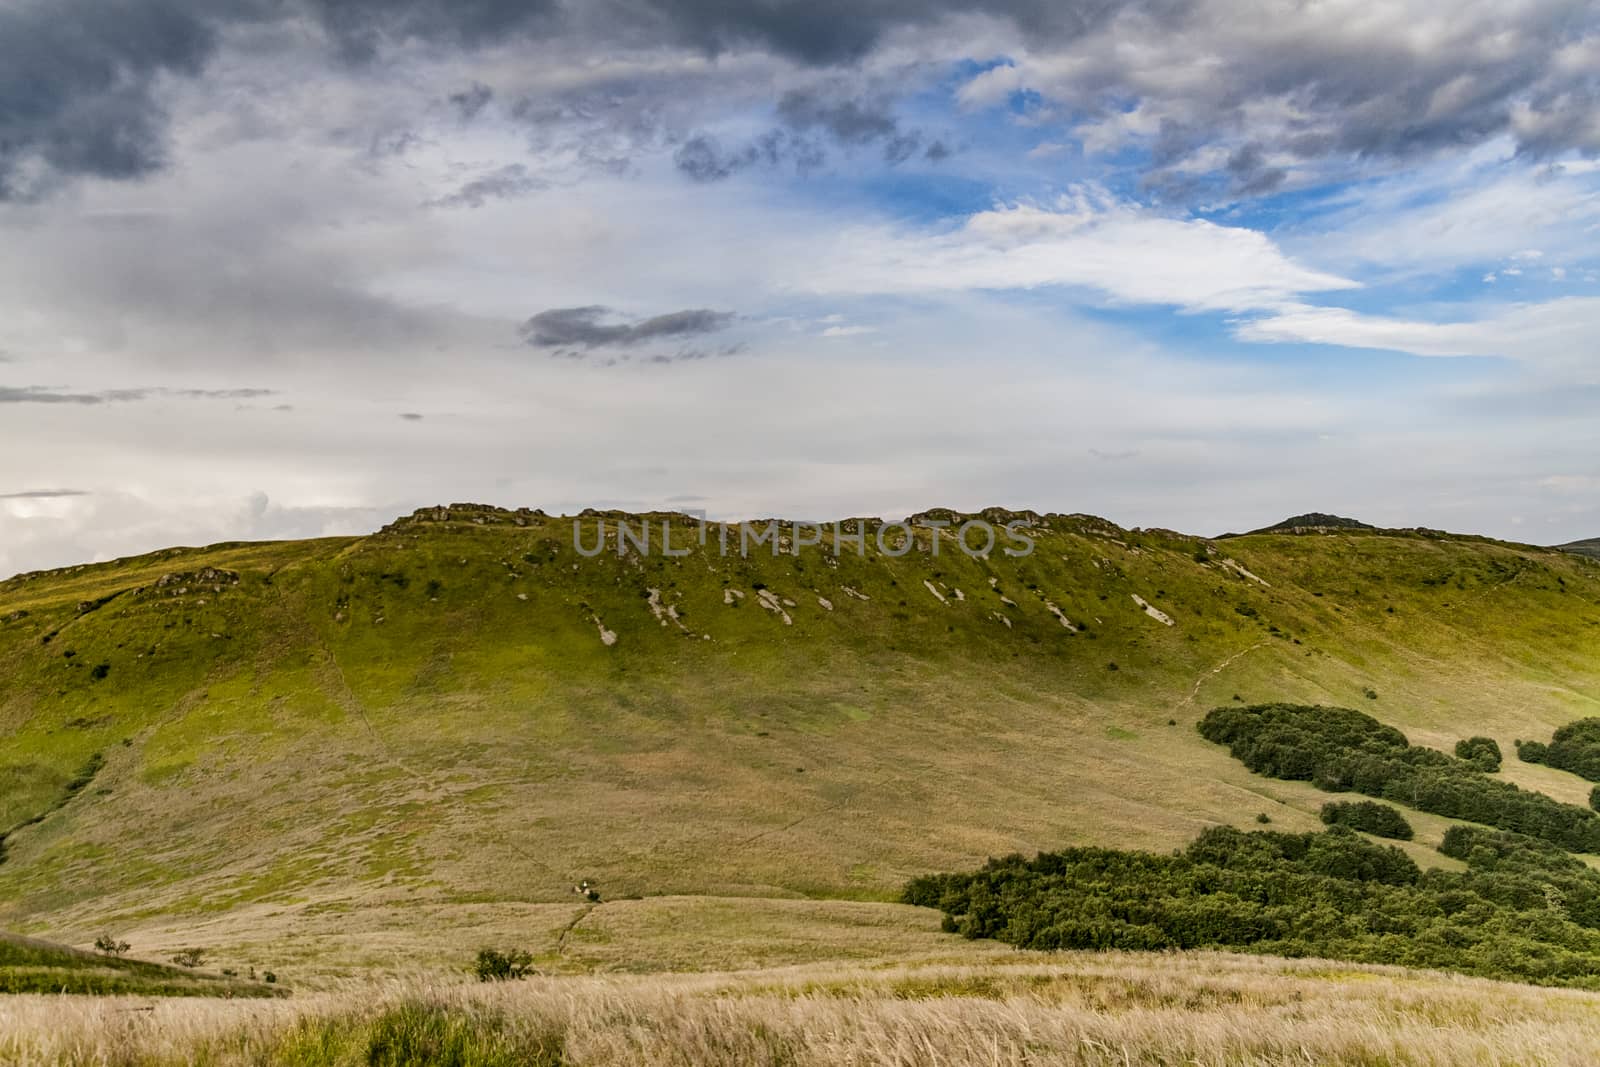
(1313, 521)
(1590, 548)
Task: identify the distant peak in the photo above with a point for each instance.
(1316, 520)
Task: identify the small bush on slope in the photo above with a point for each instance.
(1481, 752)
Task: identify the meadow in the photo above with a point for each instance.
(1029, 1009)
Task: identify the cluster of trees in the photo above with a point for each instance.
(1575, 747)
(1523, 909)
(1369, 817)
(1341, 750)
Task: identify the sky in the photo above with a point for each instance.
(285, 268)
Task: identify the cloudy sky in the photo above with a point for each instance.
(286, 267)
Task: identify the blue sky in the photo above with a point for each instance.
(292, 268)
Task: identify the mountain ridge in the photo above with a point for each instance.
(461, 714)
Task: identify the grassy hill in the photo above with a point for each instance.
(382, 750)
(1590, 548)
(30, 966)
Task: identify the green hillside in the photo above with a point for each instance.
(1590, 548)
(363, 749)
(30, 966)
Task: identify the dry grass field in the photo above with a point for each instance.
(1022, 1009)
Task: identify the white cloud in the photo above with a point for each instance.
(1554, 337)
(1479, 212)
(1086, 239)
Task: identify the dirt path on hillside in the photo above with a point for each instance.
(1213, 672)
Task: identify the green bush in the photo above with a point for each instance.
(1482, 752)
(1532, 751)
(494, 965)
(1368, 816)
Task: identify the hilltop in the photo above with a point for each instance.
(1314, 521)
(345, 752)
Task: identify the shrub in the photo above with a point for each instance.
(1532, 751)
(99, 671)
(190, 957)
(494, 965)
(110, 945)
(1594, 798)
(1481, 752)
(1368, 816)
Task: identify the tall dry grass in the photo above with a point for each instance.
(1118, 1009)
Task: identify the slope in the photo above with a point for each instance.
(449, 724)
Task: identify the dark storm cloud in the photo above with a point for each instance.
(362, 28)
(44, 494)
(839, 32)
(1251, 174)
(470, 102)
(38, 394)
(811, 118)
(703, 158)
(82, 81)
(601, 327)
(77, 85)
(506, 183)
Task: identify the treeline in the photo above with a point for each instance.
(1574, 747)
(1341, 750)
(1522, 910)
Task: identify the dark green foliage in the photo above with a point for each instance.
(1524, 909)
(1575, 747)
(1368, 816)
(1340, 750)
(494, 965)
(1594, 802)
(99, 671)
(1482, 752)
